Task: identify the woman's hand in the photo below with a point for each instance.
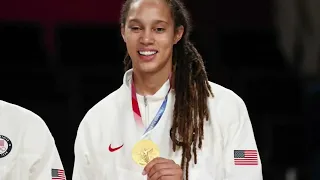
(163, 169)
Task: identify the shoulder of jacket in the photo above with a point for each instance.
(24, 120)
(227, 104)
(19, 114)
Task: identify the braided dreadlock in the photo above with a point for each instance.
(191, 81)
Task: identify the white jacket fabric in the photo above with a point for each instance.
(27, 148)
(227, 148)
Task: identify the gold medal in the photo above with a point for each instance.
(145, 151)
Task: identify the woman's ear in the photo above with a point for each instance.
(123, 31)
(178, 34)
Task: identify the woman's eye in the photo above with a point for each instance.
(135, 28)
(159, 30)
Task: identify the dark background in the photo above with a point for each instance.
(58, 58)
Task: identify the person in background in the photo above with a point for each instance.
(27, 148)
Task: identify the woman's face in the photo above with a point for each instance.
(149, 35)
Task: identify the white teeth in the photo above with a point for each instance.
(147, 53)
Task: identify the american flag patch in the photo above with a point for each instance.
(245, 157)
(58, 174)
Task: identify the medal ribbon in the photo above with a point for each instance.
(136, 110)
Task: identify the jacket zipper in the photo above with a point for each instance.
(146, 111)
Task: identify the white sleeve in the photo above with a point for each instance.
(242, 161)
(46, 163)
(84, 165)
(49, 166)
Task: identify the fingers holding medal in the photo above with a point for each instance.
(146, 153)
(161, 168)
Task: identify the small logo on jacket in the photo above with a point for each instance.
(58, 174)
(5, 146)
(111, 149)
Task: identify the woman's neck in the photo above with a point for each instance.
(150, 83)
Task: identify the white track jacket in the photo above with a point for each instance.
(108, 133)
(27, 148)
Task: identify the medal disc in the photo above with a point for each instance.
(145, 151)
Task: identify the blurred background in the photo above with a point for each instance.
(59, 58)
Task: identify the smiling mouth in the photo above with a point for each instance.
(147, 53)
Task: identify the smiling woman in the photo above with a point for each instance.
(165, 118)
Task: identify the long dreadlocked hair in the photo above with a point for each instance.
(191, 86)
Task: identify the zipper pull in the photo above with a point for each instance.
(145, 101)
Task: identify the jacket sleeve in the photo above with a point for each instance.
(242, 160)
(85, 161)
(43, 154)
(49, 166)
